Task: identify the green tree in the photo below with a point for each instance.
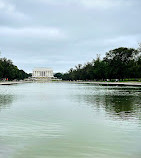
(10, 71)
(59, 75)
(118, 60)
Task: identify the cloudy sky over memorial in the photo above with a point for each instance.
(63, 33)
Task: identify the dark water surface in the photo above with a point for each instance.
(62, 120)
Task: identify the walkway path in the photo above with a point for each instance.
(113, 83)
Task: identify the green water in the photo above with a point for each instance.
(62, 120)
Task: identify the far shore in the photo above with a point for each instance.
(129, 83)
(111, 83)
(13, 82)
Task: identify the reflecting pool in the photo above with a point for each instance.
(66, 120)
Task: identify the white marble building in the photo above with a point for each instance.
(42, 73)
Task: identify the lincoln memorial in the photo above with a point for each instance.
(42, 73)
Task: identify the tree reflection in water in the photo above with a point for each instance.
(124, 103)
(123, 106)
(5, 101)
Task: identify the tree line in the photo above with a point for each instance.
(120, 63)
(10, 72)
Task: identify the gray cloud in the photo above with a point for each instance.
(61, 34)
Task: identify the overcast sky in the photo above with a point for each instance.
(63, 33)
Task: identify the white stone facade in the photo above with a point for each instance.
(42, 73)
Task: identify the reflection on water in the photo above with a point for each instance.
(5, 101)
(61, 120)
(123, 102)
(124, 106)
